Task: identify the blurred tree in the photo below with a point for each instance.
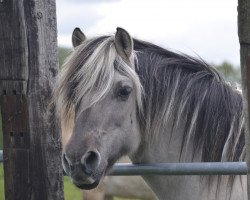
(63, 53)
(230, 72)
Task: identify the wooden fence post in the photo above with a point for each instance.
(244, 39)
(28, 66)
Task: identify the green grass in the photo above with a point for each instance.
(1, 182)
(70, 191)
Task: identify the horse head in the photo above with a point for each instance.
(99, 93)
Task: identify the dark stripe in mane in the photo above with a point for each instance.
(191, 89)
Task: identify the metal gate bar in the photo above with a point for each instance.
(208, 168)
(205, 168)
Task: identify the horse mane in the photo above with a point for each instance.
(189, 91)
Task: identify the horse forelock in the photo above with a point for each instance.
(88, 75)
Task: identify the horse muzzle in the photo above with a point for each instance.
(84, 181)
(85, 186)
(83, 172)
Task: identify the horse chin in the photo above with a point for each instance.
(87, 186)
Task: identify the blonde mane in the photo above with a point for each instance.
(88, 75)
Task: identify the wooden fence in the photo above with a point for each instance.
(28, 58)
(28, 66)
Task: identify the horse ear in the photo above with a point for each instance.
(123, 44)
(77, 37)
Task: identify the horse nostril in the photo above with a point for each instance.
(91, 160)
(67, 164)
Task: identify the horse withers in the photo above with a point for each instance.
(121, 96)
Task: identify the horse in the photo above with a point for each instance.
(118, 95)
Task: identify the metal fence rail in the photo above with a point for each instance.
(212, 168)
(208, 168)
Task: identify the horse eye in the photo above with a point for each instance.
(124, 92)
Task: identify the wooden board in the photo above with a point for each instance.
(28, 66)
(244, 39)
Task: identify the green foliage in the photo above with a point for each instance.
(231, 73)
(63, 53)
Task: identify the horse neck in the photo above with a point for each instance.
(161, 143)
(181, 124)
(166, 147)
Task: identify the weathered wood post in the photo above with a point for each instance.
(244, 39)
(28, 65)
